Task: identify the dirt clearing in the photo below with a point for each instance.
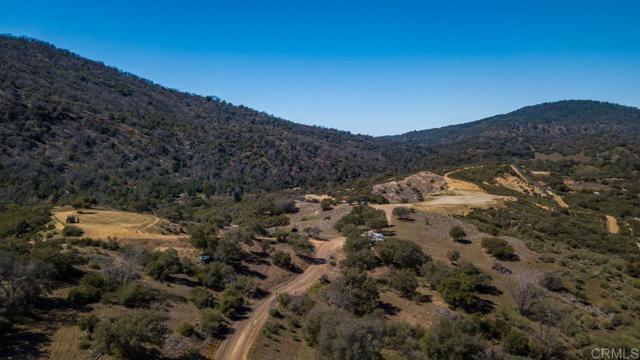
(612, 224)
(103, 224)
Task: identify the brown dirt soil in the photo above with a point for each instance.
(540, 173)
(238, 345)
(413, 188)
(612, 224)
(103, 224)
(460, 185)
(521, 184)
(412, 312)
(459, 200)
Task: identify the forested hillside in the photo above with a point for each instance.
(564, 127)
(72, 127)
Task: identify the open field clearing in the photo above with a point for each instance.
(103, 224)
(461, 197)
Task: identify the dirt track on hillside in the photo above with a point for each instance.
(245, 332)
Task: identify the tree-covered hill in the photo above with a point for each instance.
(565, 127)
(74, 127)
(71, 126)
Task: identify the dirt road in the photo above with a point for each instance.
(237, 346)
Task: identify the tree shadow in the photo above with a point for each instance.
(481, 306)
(313, 260)
(489, 290)
(389, 309)
(23, 345)
(258, 258)
(243, 270)
(261, 293)
(511, 258)
(387, 232)
(464, 241)
(185, 281)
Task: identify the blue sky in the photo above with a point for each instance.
(374, 67)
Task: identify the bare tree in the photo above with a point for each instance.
(124, 268)
(19, 284)
(524, 292)
(313, 232)
(547, 344)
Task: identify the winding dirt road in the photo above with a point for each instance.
(237, 346)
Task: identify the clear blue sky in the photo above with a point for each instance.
(374, 67)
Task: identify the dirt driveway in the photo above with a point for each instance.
(238, 345)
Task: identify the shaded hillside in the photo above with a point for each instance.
(72, 126)
(564, 127)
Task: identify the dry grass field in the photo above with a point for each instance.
(103, 224)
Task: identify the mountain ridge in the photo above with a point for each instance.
(76, 127)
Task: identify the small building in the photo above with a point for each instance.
(72, 219)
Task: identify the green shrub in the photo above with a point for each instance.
(216, 275)
(271, 328)
(326, 204)
(453, 339)
(88, 323)
(402, 254)
(135, 294)
(160, 265)
(281, 259)
(231, 302)
(212, 323)
(363, 215)
(498, 248)
(202, 298)
(459, 287)
(185, 329)
(402, 213)
(404, 281)
(551, 281)
(453, 255)
(82, 295)
(516, 343)
(72, 231)
(135, 336)
(457, 233)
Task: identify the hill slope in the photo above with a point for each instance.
(75, 126)
(566, 127)
(72, 126)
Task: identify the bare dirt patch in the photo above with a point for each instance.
(413, 188)
(540, 173)
(521, 184)
(103, 224)
(459, 198)
(612, 224)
